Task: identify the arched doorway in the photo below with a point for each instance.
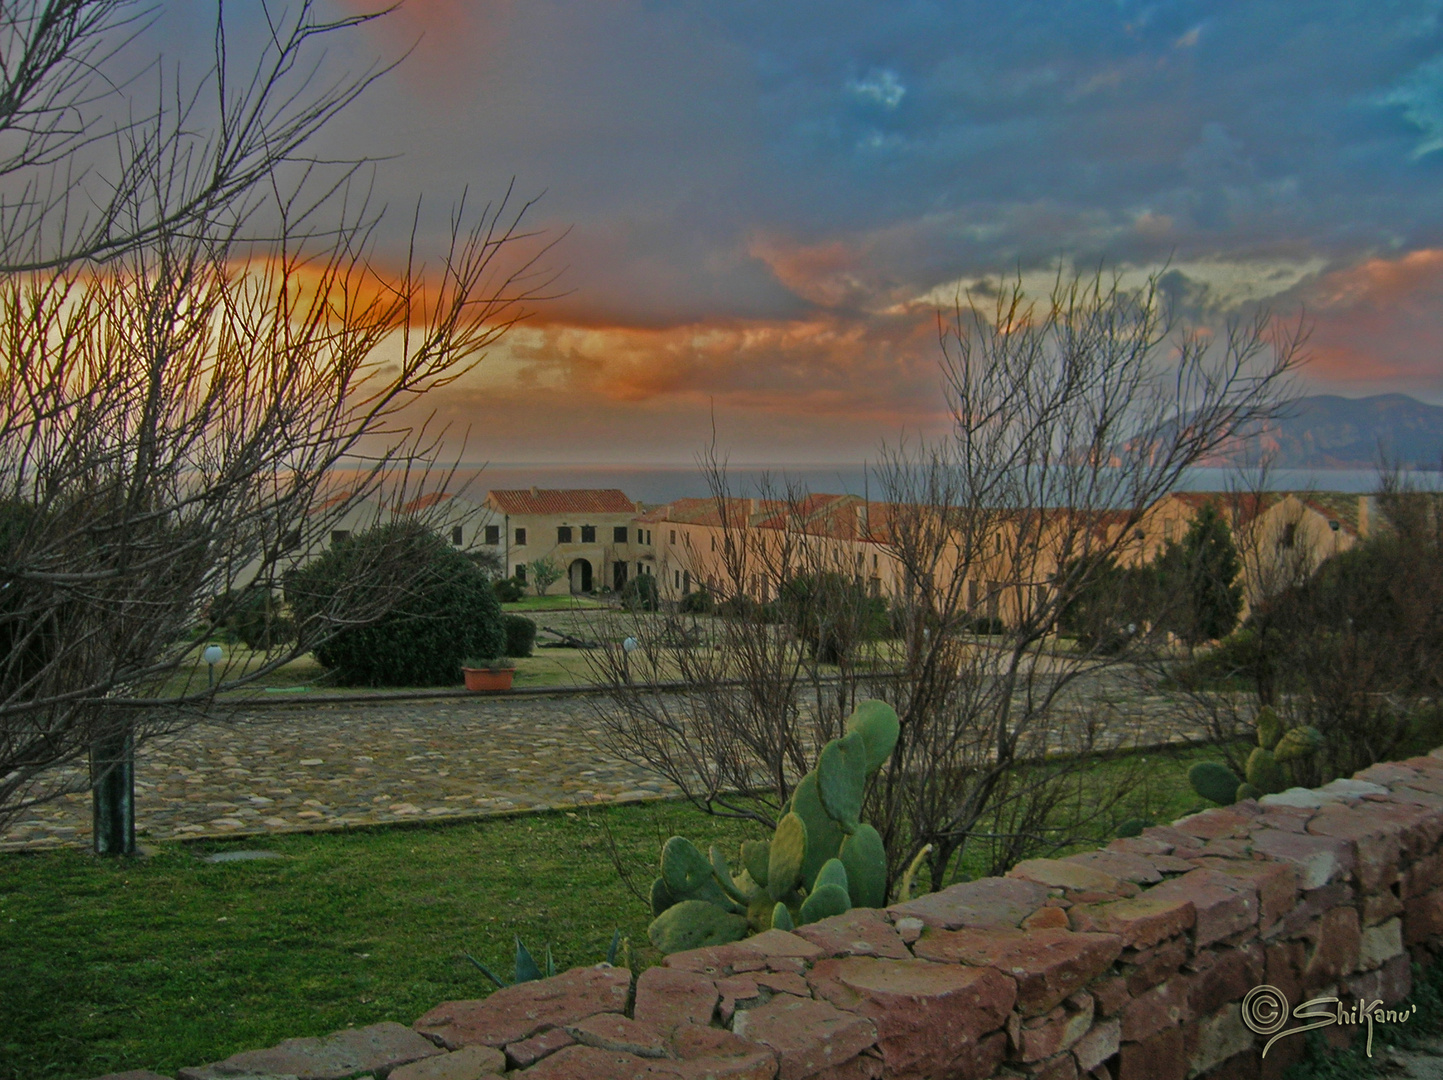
(580, 574)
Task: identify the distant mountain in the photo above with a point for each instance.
(1328, 432)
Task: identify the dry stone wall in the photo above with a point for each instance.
(1129, 963)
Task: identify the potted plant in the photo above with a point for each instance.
(493, 674)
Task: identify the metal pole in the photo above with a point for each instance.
(112, 772)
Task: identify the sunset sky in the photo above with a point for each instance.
(766, 202)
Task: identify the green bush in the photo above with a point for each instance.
(520, 634)
(448, 612)
(508, 590)
(254, 617)
(698, 603)
(640, 593)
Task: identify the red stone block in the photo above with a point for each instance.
(1159, 1057)
(1140, 922)
(859, 932)
(1046, 918)
(610, 1031)
(1119, 864)
(807, 1036)
(1214, 824)
(1376, 837)
(1161, 1007)
(922, 1011)
(775, 943)
(1423, 917)
(1097, 1045)
(518, 1012)
(1380, 907)
(861, 1067)
(1047, 965)
(1061, 1067)
(1223, 904)
(1001, 902)
(1046, 1036)
(1140, 845)
(1310, 906)
(1284, 967)
(1183, 844)
(1335, 946)
(1319, 859)
(1110, 994)
(1276, 883)
(1423, 876)
(666, 997)
(589, 1063)
(709, 1053)
(717, 960)
(1229, 976)
(529, 1051)
(1073, 876)
(977, 1060)
(1146, 968)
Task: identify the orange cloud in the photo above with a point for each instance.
(1381, 322)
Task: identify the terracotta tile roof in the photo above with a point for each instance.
(425, 502)
(562, 501)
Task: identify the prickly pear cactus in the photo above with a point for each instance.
(1213, 780)
(822, 860)
(1281, 755)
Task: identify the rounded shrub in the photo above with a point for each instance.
(254, 617)
(640, 593)
(520, 634)
(444, 608)
(698, 603)
(508, 590)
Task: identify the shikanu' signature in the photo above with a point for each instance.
(1265, 1010)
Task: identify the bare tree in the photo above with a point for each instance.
(191, 419)
(1071, 418)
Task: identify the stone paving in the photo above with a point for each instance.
(308, 767)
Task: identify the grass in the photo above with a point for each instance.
(552, 603)
(168, 961)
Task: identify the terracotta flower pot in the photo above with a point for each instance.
(487, 679)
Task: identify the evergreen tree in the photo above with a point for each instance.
(1200, 574)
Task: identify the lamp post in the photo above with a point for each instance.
(213, 655)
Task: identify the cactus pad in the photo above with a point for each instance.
(1247, 791)
(685, 869)
(877, 723)
(1298, 742)
(832, 873)
(755, 855)
(824, 835)
(782, 918)
(1264, 772)
(866, 861)
(788, 851)
(661, 897)
(823, 902)
(723, 874)
(695, 924)
(1270, 728)
(841, 777)
(1215, 781)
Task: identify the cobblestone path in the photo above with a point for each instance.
(283, 769)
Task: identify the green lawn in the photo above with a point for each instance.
(169, 961)
(553, 603)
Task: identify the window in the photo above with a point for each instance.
(673, 536)
(521, 570)
(339, 536)
(1289, 537)
(493, 534)
(713, 543)
(588, 534)
(677, 575)
(648, 536)
(618, 534)
(974, 591)
(520, 537)
(874, 562)
(685, 582)
(292, 539)
(456, 535)
(563, 534)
